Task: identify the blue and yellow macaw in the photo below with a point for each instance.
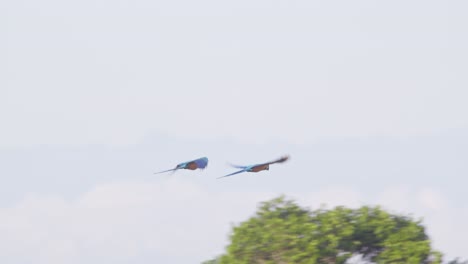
(200, 163)
(256, 167)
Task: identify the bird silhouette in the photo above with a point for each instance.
(200, 163)
(256, 167)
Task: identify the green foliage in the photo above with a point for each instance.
(283, 232)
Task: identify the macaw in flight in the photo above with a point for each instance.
(256, 167)
(200, 163)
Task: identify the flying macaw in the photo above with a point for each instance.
(200, 163)
(256, 167)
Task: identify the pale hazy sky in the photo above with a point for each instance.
(368, 98)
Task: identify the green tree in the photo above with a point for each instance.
(283, 232)
(212, 261)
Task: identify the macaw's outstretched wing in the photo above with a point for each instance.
(280, 160)
(201, 162)
(238, 166)
(243, 170)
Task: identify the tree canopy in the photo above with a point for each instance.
(283, 232)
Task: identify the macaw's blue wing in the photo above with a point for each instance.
(238, 166)
(280, 160)
(237, 172)
(201, 162)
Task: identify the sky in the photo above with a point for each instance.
(368, 98)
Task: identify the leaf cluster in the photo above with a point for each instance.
(283, 232)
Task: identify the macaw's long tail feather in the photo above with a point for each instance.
(231, 174)
(173, 170)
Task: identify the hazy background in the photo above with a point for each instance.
(368, 98)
